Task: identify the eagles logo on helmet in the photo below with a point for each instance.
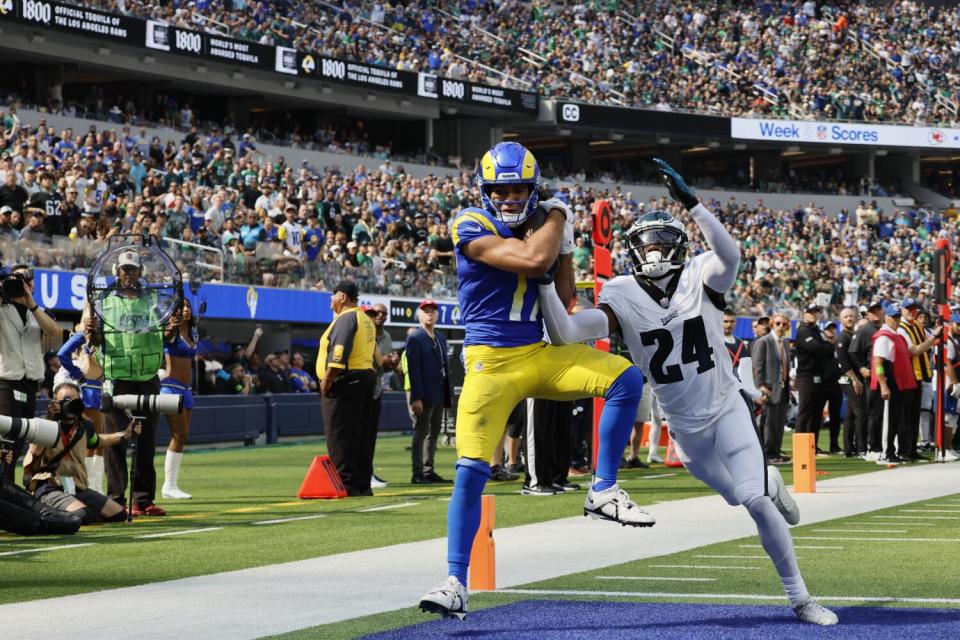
(658, 244)
(509, 163)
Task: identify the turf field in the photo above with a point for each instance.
(246, 515)
(899, 558)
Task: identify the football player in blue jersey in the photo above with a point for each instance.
(504, 250)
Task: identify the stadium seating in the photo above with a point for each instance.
(892, 61)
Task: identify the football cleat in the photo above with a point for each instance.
(614, 504)
(174, 493)
(449, 599)
(784, 502)
(814, 613)
(377, 483)
(948, 455)
(654, 459)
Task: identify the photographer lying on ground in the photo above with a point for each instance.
(57, 475)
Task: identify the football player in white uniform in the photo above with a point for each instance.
(669, 313)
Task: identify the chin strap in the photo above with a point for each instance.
(661, 294)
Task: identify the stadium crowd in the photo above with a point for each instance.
(891, 61)
(66, 192)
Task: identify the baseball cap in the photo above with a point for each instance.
(909, 302)
(347, 287)
(891, 309)
(129, 258)
(874, 304)
(813, 307)
(5, 210)
(429, 303)
(366, 308)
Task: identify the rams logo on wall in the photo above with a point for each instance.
(308, 64)
(252, 297)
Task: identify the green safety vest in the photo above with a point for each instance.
(131, 356)
(406, 374)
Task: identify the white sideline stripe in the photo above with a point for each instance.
(40, 549)
(659, 475)
(885, 539)
(893, 524)
(918, 517)
(929, 510)
(387, 507)
(281, 520)
(732, 557)
(796, 546)
(702, 566)
(719, 596)
(859, 530)
(177, 533)
(657, 578)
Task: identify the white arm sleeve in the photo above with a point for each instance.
(589, 324)
(745, 371)
(720, 270)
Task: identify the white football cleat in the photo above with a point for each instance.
(654, 458)
(377, 483)
(784, 502)
(814, 613)
(449, 599)
(614, 504)
(174, 493)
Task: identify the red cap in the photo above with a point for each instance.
(366, 308)
(429, 303)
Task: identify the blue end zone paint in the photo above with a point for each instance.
(553, 620)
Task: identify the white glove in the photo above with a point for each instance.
(567, 244)
(955, 390)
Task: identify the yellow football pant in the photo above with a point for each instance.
(498, 378)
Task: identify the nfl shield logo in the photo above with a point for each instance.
(935, 136)
(822, 132)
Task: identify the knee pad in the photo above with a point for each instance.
(746, 492)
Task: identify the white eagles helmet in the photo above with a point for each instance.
(658, 244)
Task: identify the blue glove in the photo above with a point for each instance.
(547, 278)
(679, 190)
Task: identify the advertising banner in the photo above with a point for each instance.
(841, 133)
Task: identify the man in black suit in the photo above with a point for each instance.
(427, 371)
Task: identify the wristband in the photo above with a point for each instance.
(879, 370)
(35, 307)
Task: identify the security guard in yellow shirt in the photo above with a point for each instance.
(345, 365)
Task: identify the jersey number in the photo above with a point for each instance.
(694, 348)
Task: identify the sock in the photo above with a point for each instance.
(654, 437)
(171, 468)
(97, 484)
(776, 541)
(616, 422)
(463, 514)
(91, 466)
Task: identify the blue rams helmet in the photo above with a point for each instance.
(657, 243)
(509, 163)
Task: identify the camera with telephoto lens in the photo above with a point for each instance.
(34, 430)
(71, 408)
(139, 405)
(12, 285)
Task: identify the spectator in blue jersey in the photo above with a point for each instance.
(300, 380)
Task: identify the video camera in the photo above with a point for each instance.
(12, 285)
(34, 430)
(143, 405)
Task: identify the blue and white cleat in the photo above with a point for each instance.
(614, 504)
(449, 599)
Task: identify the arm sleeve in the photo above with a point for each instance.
(414, 375)
(589, 324)
(341, 340)
(65, 354)
(93, 440)
(745, 371)
(720, 269)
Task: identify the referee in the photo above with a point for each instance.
(345, 366)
